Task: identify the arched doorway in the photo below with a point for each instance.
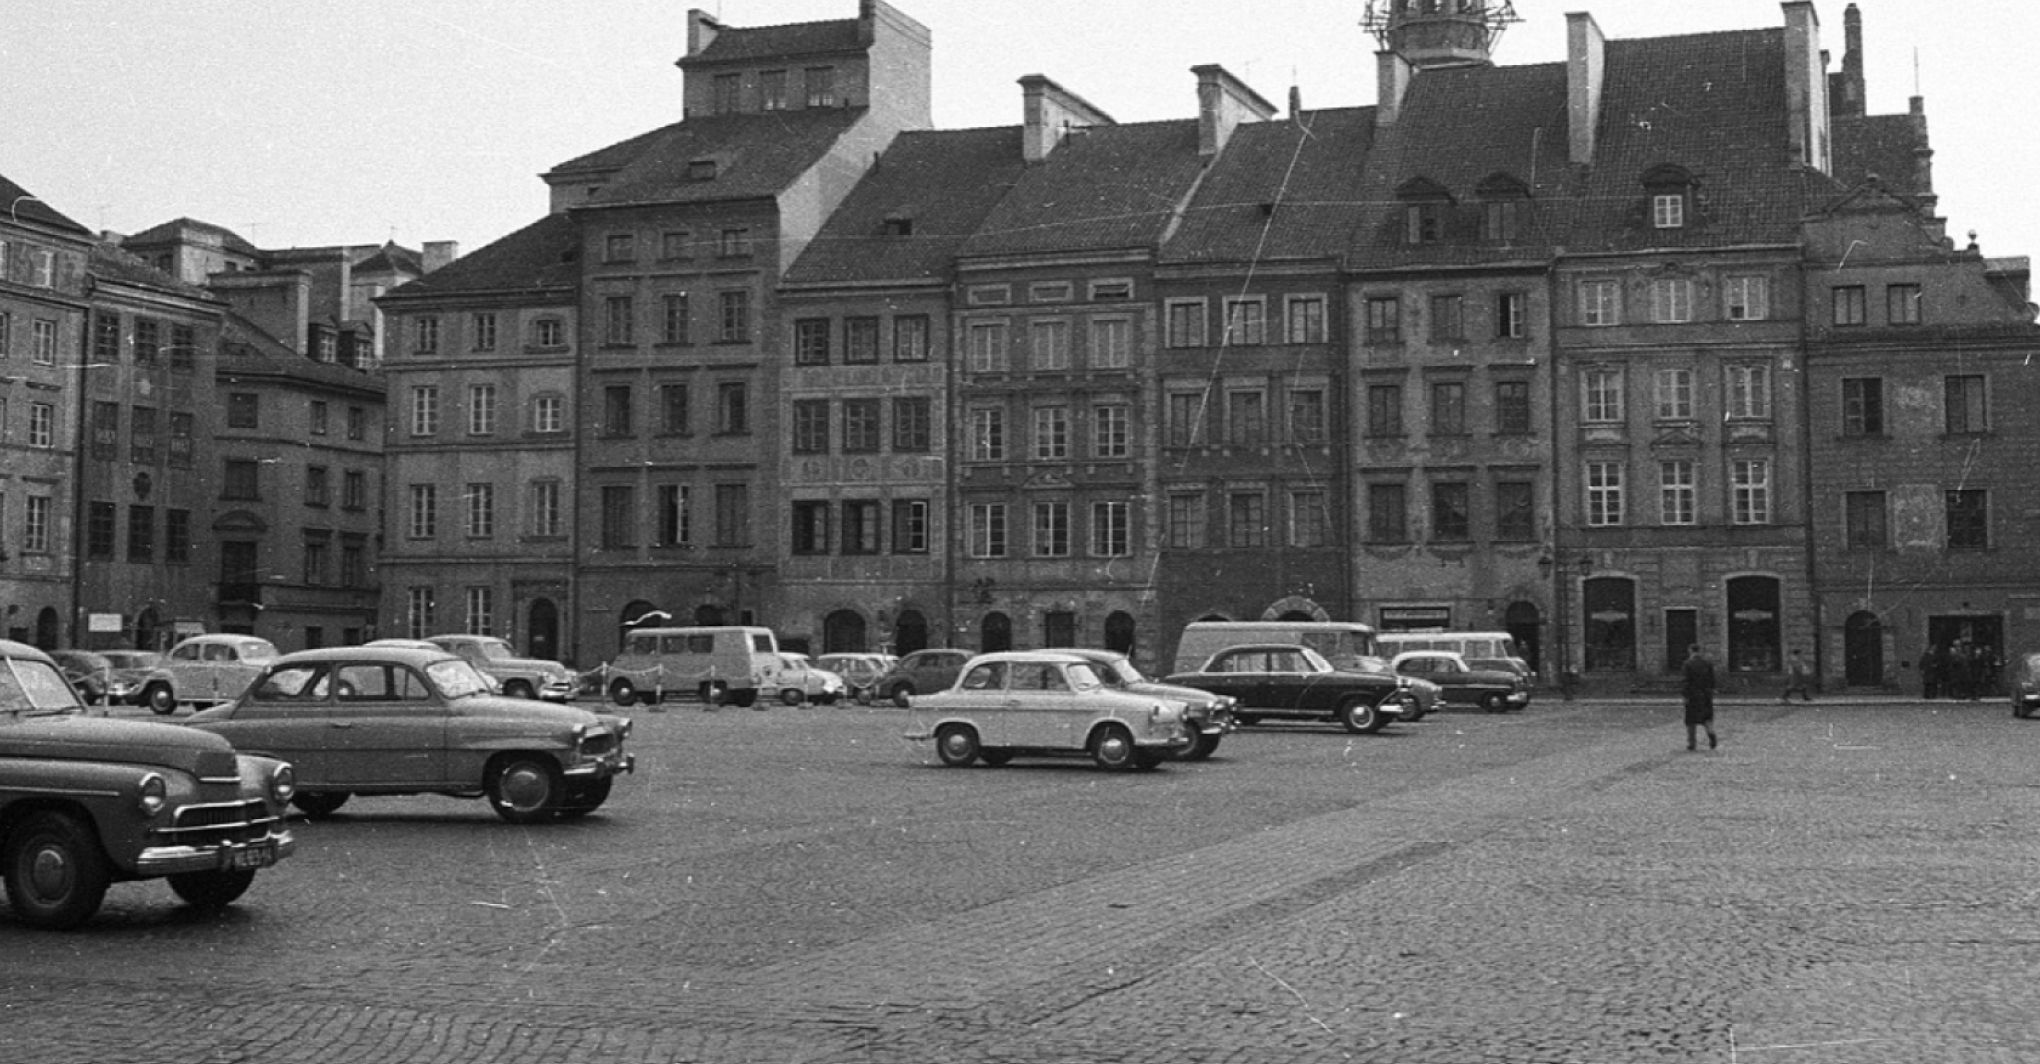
(843, 632)
(995, 633)
(148, 629)
(542, 630)
(1525, 624)
(49, 633)
(1863, 650)
(1119, 632)
(708, 613)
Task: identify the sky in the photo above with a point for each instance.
(308, 124)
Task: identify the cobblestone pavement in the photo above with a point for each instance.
(1848, 883)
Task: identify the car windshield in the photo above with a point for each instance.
(35, 688)
(256, 650)
(457, 679)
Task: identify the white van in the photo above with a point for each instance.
(1481, 649)
(1343, 643)
(723, 663)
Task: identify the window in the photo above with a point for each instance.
(1184, 322)
(1512, 408)
(1863, 521)
(42, 425)
(701, 169)
(1448, 318)
(1384, 320)
(1902, 304)
(1604, 494)
(674, 410)
(733, 243)
(240, 479)
(318, 486)
(987, 340)
(105, 443)
(423, 521)
(1051, 433)
(1246, 520)
(988, 434)
(1303, 320)
(618, 317)
(732, 409)
(673, 516)
(987, 530)
(316, 417)
(1448, 408)
(1307, 415)
(1600, 302)
(1246, 321)
(1749, 481)
(1451, 511)
(1111, 343)
(860, 341)
(1746, 298)
(353, 490)
(44, 353)
(105, 336)
(1512, 316)
(325, 345)
(1384, 410)
(38, 524)
(1185, 413)
(729, 94)
(1515, 511)
(548, 332)
(481, 410)
(1309, 519)
(1048, 345)
(1601, 400)
(675, 245)
(1966, 409)
(811, 528)
(910, 338)
(1423, 223)
(1968, 519)
(988, 295)
(243, 410)
(549, 413)
(1050, 292)
(481, 610)
(913, 425)
(1186, 521)
(1848, 305)
(811, 342)
(419, 612)
(1051, 530)
(184, 347)
(1246, 418)
(99, 531)
(1678, 492)
(1387, 514)
(1111, 430)
(43, 267)
(676, 325)
(821, 86)
(1668, 210)
(7, 327)
(183, 439)
(1671, 300)
(481, 509)
(1111, 529)
(860, 426)
(142, 436)
(1862, 406)
(860, 526)
(424, 334)
(910, 526)
(177, 536)
(616, 410)
(736, 316)
(425, 410)
(357, 423)
(149, 343)
(1111, 290)
(1672, 394)
(546, 513)
(1749, 390)
(317, 561)
(619, 517)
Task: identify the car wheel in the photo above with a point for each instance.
(902, 694)
(319, 804)
(791, 696)
(56, 873)
(525, 788)
(519, 689)
(160, 700)
(212, 889)
(994, 757)
(622, 691)
(1113, 748)
(1361, 716)
(1493, 702)
(1203, 745)
(585, 798)
(864, 696)
(1412, 707)
(956, 745)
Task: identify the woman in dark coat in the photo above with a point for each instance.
(1698, 687)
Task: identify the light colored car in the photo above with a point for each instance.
(516, 677)
(1210, 716)
(391, 720)
(1495, 690)
(130, 674)
(798, 679)
(860, 671)
(1046, 703)
(206, 670)
(86, 802)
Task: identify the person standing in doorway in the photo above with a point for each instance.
(1698, 687)
(1930, 672)
(1798, 674)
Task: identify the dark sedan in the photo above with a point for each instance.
(1495, 690)
(1289, 680)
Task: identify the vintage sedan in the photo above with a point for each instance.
(1495, 690)
(934, 669)
(1290, 680)
(390, 720)
(1046, 703)
(206, 670)
(1425, 696)
(515, 676)
(798, 679)
(86, 802)
(1210, 716)
(860, 671)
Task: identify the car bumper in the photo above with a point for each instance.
(603, 767)
(217, 857)
(559, 691)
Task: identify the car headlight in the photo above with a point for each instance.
(282, 783)
(153, 795)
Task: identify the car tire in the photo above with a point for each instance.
(212, 890)
(1203, 745)
(525, 788)
(1114, 750)
(56, 872)
(1412, 708)
(622, 691)
(1361, 716)
(160, 699)
(1494, 702)
(318, 805)
(585, 798)
(902, 695)
(792, 696)
(995, 757)
(957, 745)
(519, 689)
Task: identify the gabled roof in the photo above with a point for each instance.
(540, 255)
(176, 228)
(1887, 147)
(247, 349)
(1284, 189)
(747, 43)
(22, 206)
(391, 258)
(937, 184)
(1108, 187)
(754, 155)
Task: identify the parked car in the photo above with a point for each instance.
(859, 671)
(87, 801)
(130, 674)
(516, 677)
(206, 670)
(1495, 690)
(391, 720)
(2025, 685)
(87, 670)
(1290, 680)
(798, 679)
(717, 663)
(1424, 695)
(1046, 703)
(1210, 716)
(918, 672)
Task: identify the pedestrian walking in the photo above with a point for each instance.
(1798, 674)
(1930, 672)
(1698, 687)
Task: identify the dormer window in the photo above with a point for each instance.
(1505, 209)
(899, 225)
(701, 170)
(1670, 189)
(1426, 205)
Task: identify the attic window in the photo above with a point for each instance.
(1670, 189)
(1505, 209)
(1425, 208)
(701, 170)
(1111, 289)
(899, 225)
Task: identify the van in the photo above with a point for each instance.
(724, 663)
(1343, 643)
(1490, 650)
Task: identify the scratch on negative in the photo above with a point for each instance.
(1284, 984)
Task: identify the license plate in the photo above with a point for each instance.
(251, 857)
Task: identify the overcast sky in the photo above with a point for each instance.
(415, 120)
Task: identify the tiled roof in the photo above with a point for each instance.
(1108, 187)
(540, 255)
(754, 155)
(392, 258)
(744, 44)
(1283, 189)
(1884, 146)
(175, 229)
(23, 206)
(111, 262)
(941, 183)
(248, 349)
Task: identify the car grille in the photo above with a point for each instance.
(598, 744)
(208, 825)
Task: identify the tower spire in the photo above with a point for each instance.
(1439, 33)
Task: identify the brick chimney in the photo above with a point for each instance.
(440, 252)
(1806, 85)
(1586, 70)
(701, 30)
(1391, 80)
(1223, 102)
(1053, 113)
